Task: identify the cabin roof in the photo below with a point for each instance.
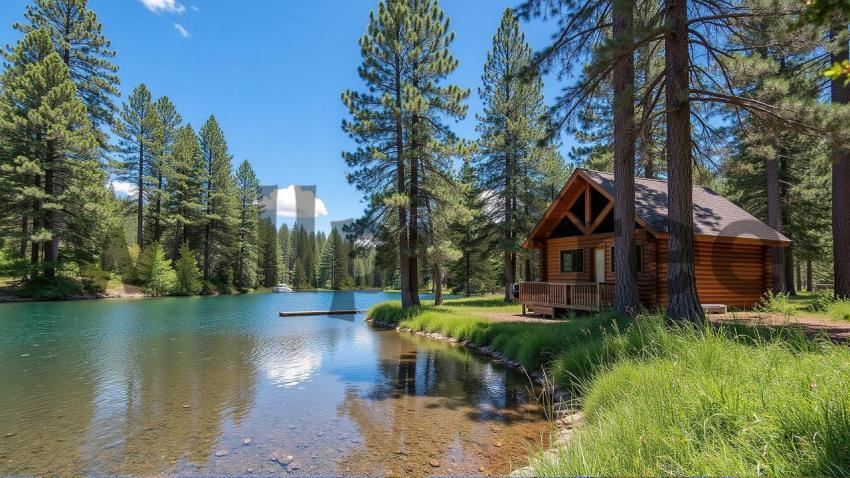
(714, 215)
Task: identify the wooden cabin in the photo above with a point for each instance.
(575, 237)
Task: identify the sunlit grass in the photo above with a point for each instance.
(669, 400)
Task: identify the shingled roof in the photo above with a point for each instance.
(714, 215)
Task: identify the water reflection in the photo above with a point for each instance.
(176, 386)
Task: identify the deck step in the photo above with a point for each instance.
(714, 308)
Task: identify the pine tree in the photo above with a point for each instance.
(378, 127)
(511, 126)
(284, 240)
(429, 101)
(472, 272)
(248, 197)
(187, 275)
(156, 273)
(78, 38)
(40, 112)
(333, 269)
(218, 209)
(268, 253)
(185, 174)
(136, 132)
(840, 95)
(166, 122)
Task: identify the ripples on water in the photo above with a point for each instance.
(178, 385)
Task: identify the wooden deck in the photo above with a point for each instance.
(553, 298)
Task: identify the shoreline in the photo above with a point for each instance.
(565, 415)
(113, 294)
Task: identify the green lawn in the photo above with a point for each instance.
(670, 400)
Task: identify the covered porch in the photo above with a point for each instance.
(554, 298)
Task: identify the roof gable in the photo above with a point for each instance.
(714, 215)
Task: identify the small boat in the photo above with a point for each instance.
(281, 288)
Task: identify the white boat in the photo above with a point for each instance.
(281, 288)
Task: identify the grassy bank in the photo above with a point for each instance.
(674, 401)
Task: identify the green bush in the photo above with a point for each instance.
(820, 302)
(776, 303)
(42, 288)
(187, 273)
(95, 280)
(155, 272)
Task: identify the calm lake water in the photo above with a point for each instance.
(178, 385)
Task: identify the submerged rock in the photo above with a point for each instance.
(221, 453)
(434, 463)
(246, 441)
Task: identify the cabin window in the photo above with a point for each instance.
(638, 257)
(572, 260)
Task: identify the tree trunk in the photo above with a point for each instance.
(510, 267)
(810, 283)
(403, 247)
(684, 302)
(207, 251)
(157, 228)
(25, 230)
(789, 269)
(438, 284)
(840, 184)
(413, 225)
(467, 266)
(51, 247)
(799, 270)
(774, 220)
(626, 299)
(141, 186)
(34, 248)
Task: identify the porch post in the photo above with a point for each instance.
(544, 272)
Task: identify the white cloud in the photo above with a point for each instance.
(170, 6)
(183, 32)
(195, 8)
(124, 188)
(286, 202)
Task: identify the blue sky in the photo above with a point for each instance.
(272, 73)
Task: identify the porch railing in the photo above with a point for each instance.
(587, 296)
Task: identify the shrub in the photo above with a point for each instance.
(821, 302)
(42, 288)
(156, 273)
(776, 303)
(94, 279)
(187, 273)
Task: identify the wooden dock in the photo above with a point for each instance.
(304, 313)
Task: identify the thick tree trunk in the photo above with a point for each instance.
(626, 299)
(157, 228)
(774, 220)
(403, 246)
(413, 226)
(35, 246)
(810, 283)
(840, 184)
(140, 200)
(684, 302)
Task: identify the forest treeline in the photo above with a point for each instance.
(192, 223)
(731, 95)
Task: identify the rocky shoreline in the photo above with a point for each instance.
(566, 415)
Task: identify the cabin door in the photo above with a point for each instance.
(599, 264)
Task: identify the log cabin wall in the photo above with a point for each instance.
(726, 272)
(552, 262)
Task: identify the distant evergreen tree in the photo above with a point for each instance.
(185, 174)
(284, 237)
(333, 270)
(511, 126)
(166, 122)
(268, 253)
(299, 277)
(472, 272)
(217, 193)
(248, 196)
(136, 130)
(156, 273)
(187, 275)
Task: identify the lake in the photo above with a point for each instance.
(222, 385)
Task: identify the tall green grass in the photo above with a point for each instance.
(709, 402)
(669, 400)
